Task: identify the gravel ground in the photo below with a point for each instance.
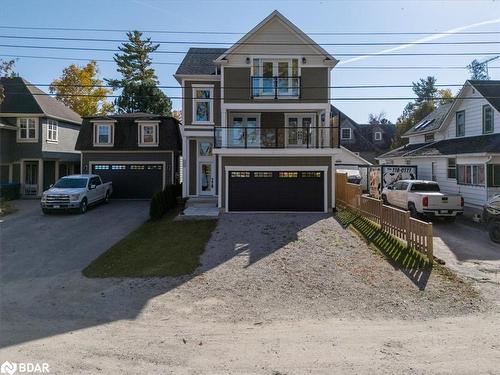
(297, 266)
(285, 293)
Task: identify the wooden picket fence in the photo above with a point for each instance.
(416, 233)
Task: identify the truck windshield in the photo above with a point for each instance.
(425, 187)
(71, 183)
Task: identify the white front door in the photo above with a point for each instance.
(206, 178)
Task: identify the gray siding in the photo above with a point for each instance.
(49, 173)
(277, 162)
(67, 135)
(193, 152)
(4, 174)
(7, 146)
(314, 82)
(16, 172)
(166, 157)
(188, 101)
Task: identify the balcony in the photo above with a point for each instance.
(275, 87)
(276, 137)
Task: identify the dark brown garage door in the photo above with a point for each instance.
(131, 181)
(276, 191)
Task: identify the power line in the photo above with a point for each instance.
(178, 63)
(270, 54)
(207, 32)
(486, 83)
(302, 99)
(251, 43)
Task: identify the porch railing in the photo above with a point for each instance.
(275, 87)
(275, 137)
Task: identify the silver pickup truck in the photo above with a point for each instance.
(76, 192)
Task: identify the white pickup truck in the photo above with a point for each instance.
(423, 198)
(76, 192)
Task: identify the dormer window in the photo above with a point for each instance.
(27, 130)
(429, 137)
(103, 134)
(203, 107)
(345, 133)
(148, 134)
(378, 136)
(52, 131)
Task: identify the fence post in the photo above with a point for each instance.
(430, 243)
(407, 227)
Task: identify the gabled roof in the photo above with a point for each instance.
(24, 98)
(430, 122)
(294, 29)
(490, 90)
(200, 61)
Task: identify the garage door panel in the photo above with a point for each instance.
(131, 181)
(276, 191)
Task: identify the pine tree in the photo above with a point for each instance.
(139, 83)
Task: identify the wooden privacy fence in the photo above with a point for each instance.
(416, 233)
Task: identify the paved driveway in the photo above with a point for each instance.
(36, 245)
(467, 249)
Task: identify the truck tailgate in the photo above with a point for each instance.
(444, 202)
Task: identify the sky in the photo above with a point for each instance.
(234, 16)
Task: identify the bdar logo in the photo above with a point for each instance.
(8, 368)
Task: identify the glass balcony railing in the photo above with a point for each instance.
(278, 137)
(275, 87)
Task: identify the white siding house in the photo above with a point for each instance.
(458, 145)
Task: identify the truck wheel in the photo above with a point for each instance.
(45, 211)
(83, 206)
(494, 231)
(413, 211)
(106, 198)
(384, 200)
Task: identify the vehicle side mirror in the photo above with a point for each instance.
(92, 187)
(51, 185)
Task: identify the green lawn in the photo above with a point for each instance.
(155, 249)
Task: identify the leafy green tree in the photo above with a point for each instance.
(81, 90)
(427, 94)
(139, 83)
(7, 68)
(478, 70)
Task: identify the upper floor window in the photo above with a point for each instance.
(148, 134)
(345, 133)
(52, 131)
(103, 134)
(460, 123)
(429, 137)
(203, 108)
(487, 119)
(275, 78)
(27, 130)
(378, 136)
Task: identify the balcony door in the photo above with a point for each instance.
(275, 77)
(244, 130)
(300, 130)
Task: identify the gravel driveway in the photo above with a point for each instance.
(287, 292)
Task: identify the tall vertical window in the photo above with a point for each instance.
(27, 130)
(487, 119)
(460, 123)
(203, 107)
(452, 168)
(148, 134)
(103, 134)
(52, 130)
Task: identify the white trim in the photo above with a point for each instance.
(50, 122)
(140, 133)
(211, 102)
(219, 181)
(293, 29)
(38, 115)
(196, 77)
(379, 134)
(298, 151)
(322, 168)
(275, 106)
(27, 139)
(163, 163)
(111, 126)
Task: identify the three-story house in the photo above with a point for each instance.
(256, 122)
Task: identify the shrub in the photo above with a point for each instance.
(158, 206)
(10, 191)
